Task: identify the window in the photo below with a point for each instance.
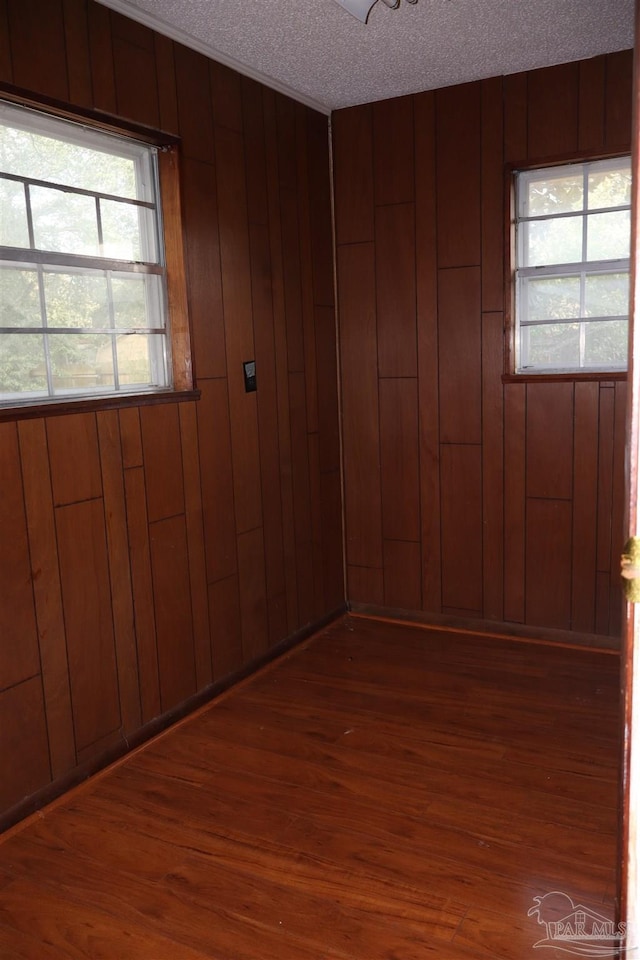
(572, 267)
(83, 298)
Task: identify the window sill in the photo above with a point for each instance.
(59, 408)
(610, 376)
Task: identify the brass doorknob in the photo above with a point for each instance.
(630, 569)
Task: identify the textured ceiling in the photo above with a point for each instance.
(315, 51)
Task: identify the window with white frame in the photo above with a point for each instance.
(572, 267)
(82, 276)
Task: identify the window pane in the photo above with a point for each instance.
(76, 300)
(81, 362)
(608, 235)
(22, 365)
(137, 361)
(55, 161)
(14, 231)
(64, 222)
(129, 302)
(552, 298)
(128, 232)
(607, 295)
(606, 343)
(19, 297)
(562, 193)
(552, 241)
(551, 345)
(610, 188)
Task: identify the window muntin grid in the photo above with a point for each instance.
(572, 267)
(65, 239)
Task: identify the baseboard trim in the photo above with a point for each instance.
(489, 628)
(18, 816)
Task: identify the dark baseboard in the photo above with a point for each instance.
(493, 628)
(33, 803)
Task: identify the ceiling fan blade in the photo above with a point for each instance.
(359, 9)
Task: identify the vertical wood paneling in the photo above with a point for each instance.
(166, 80)
(131, 437)
(550, 440)
(194, 104)
(548, 582)
(292, 279)
(19, 656)
(461, 466)
(135, 71)
(217, 479)
(74, 458)
(226, 97)
(119, 569)
(459, 355)
(605, 478)
(618, 507)
(6, 69)
(101, 50)
(553, 111)
(328, 414)
(360, 417)
(174, 624)
(396, 291)
(47, 591)
(320, 210)
(224, 606)
(76, 33)
(162, 460)
(365, 585)
(332, 540)
(515, 117)
(492, 465)
(492, 196)
(393, 150)
(402, 586)
(399, 448)
(195, 543)
(315, 498)
(514, 501)
(619, 68)
(253, 594)
(591, 103)
(38, 25)
(84, 574)
(427, 342)
(236, 296)
(306, 274)
(353, 174)
(255, 152)
(301, 495)
(458, 177)
(585, 495)
(202, 249)
(145, 619)
(23, 742)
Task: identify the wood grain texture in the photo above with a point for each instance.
(194, 104)
(492, 200)
(174, 622)
(226, 630)
(459, 355)
(515, 117)
(217, 479)
(84, 575)
(591, 102)
(553, 111)
(131, 437)
(550, 440)
(515, 397)
(163, 461)
(427, 346)
(399, 465)
(38, 24)
(166, 80)
(306, 273)
(352, 135)
(226, 97)
(320, 213)
(548, 582)
(19, 654)
(585, 506)
(365, 584)
(619, 68)
(396, 290)
(316, 805)
(618, 507)
(253, 594)
(101, 51)
(461, 470)
(76, 35)
(393, 155)
(255, 155)
(119, 570)
(493, 465)
(43, 551)
(6, 68)
(74, 458)
(23, 742)
(135, 71)
(360, 415)
(402, 575)
(458, 111)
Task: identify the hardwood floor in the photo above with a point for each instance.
(384, 791)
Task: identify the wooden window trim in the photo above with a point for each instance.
(509, 375)
(179, 335)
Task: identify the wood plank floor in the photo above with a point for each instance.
(384, 791)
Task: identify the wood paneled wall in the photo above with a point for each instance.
(147, 552)
(464, 495)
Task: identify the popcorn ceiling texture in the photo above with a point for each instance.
(316, 51)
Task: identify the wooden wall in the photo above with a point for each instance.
(464, 495)
(148, 551)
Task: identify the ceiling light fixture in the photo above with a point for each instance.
(360, 9)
